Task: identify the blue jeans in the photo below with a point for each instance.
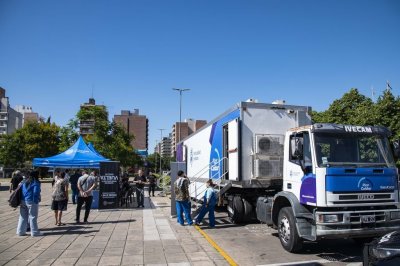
(75, 194)
(183, 207)
(203, 211)
(28, 212)
(140, 196)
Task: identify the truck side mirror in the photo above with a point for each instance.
(297, 148)
(396, 149)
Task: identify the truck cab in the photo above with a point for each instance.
(338, 181)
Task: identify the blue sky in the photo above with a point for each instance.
(132, 53)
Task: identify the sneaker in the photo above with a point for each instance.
(196, 223)
(38, 234)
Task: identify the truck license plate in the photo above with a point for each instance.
(368, 218)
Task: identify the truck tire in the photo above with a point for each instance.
(287, 230)
(248, 211)
(236, 210)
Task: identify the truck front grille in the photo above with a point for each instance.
(360, 198)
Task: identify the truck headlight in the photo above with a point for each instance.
(394, 215)
(385, 253)
(330, 218)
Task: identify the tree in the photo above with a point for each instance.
(353, 108)
(34, 139)
(109, 138)
(11, 152)
(68, 135)
(154, 160)
(388, 110)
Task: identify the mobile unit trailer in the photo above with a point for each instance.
(308, 181)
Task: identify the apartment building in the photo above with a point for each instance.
(86, 126)
(27, 114)
(184, 130)
(136, 125)
(10, 119)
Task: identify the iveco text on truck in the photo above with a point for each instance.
(309, 181)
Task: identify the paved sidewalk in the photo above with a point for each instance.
(125, 236)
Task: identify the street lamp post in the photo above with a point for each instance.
(161, 130)
(180, 115)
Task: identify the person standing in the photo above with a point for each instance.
(140, 181)
(56, 175)
(209, 202)
(73, 180)
(67, 176)
(86, 184)
(181, 188)
(60, 198)
(152, 183)
(29, 208)
(15, 180)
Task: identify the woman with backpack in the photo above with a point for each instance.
(209, 201)
(29, 208)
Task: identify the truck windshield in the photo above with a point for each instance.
(352, 150)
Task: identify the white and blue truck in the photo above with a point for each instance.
(309, 181)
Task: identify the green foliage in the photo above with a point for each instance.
(356, 109)
(34, 139)
(353, 108)
(388, 112)
(97, 112)
(11, 152)
(68, 135)
(113, 142)
(109, 138)
(154, 160)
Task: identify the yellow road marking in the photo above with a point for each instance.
(220, 250)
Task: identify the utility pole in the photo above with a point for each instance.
(161, 141)
(180, 115)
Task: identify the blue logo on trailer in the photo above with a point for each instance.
(216, 165)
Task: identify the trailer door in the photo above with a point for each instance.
(233, 149)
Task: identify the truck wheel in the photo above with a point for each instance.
(236, 210)
(248, 211)
(287, 230)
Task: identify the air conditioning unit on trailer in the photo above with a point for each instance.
(272, 167)
(269, 144)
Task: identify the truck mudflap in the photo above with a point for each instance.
(356, 223)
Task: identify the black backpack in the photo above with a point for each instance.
(15, 197)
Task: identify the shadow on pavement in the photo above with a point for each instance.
(335, 250)
(69, 232)
(105, 222)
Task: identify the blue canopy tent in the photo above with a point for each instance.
(78, 155)
(91, 147)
